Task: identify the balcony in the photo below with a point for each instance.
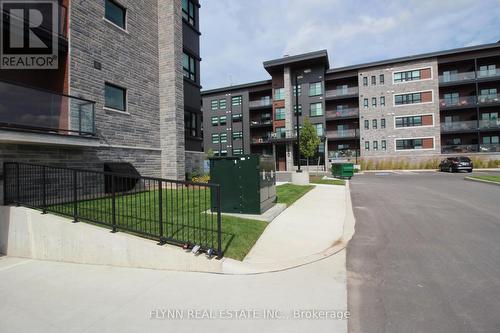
(457, 78)
(344, 134)
(342, 93)
(261, 123)
(489, 124)
(260, 140)
(268, 102)
(283, 136)
(37, 111)
(487, 74)
(342, 114)
(491, 99)
(460, 126)
(472, 148)
(460, 102)
(340, 155)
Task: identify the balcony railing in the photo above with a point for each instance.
(465, 76)
(261, 139)
(342, 92)
(351, 112)
(284, 135)
(260, 103)
(343, 154)
(469, 125)
(28, 108)
(349, 133)
(261, 122)
(472, 148)
(464, 101)
(489, 148)
(488, 99)
(488, 73)
(489, 124)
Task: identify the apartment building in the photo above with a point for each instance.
(413, 108)
(126, 89)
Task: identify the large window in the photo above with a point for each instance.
(487, 140)
(223, 137)
(222, 120)
(188, 11)
(315, 89)
(191, 124)
(280, 114)
(115, 13)
(407, 76)
(236, 100)
(319, 129)
(115, 97)
(487, 70)
(411, 121)
(408, 144)
(408, 99)
(189, 66)
(451, 98)
(316, 109)
(279, 94)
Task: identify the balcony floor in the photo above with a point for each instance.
(24, 137)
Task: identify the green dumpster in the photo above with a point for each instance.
(343, 170)
(247, 183)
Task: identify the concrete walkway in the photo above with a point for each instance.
(311, 225)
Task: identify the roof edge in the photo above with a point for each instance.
(236, 87)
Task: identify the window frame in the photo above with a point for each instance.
(381, 78)
(382, 100)
(373, 80)
(367, 124)
(367, 145)
(383, 145)
(216, 122)
(366, 103)
(189, 72)
(186, 13)
(216, 101)
(125, 97)
(222, 101)
(238, 99)
(311, 109)
(313, 89)
(365, 81)
(279, 94)
(119, 6)
(281, 112)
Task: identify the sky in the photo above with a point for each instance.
(238, 35)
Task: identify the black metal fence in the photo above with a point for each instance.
(171, 211)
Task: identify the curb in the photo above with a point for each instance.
(481, 181)
(234, 267)
(421, 170)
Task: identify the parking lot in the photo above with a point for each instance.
(425, 256)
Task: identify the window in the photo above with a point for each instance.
(236, 100)
(374, 124)
(375, 145)
(115, 97)
(214, 104)
(411, 121)
(191, 124)
(295, 109)
(365, 103)
(374, 101)
(279, 94)
(237, 117)
(449, 75)
(381, 78)
(299, 90)
(374, 80)
(237, 135)
(189, 66)
(487, 70)
(365, 81)
(222, 120)
(188, 11)
(489, 93)
(315, 89)
(451, 99)
(316, 109)
(382, 101)
(215, 121)
(367, 145)
(367, 124)
(238, 151)
(222, 104)
(383, 144)
(115, 13)
(408, 99)
(382, 123)
(223, 137)
(319, 129)
(280, 114)
(280, 132)
(417, 74)
(406, 144)
(487, 140)
(215, 138)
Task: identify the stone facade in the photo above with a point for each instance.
(390, 111)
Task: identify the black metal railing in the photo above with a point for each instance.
(29, 108)
(170, 211)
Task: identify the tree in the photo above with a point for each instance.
(309, 140)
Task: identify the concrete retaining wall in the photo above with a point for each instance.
(29, 234)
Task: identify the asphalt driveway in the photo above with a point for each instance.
(426, 254)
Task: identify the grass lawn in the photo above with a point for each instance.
(289, 193)
(185, 218)
(320, 180)
(495, 179)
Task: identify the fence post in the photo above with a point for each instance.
(18, 178)
(219, 224)
(44, 191)
(75, 198)
(113, 204)
(160, 208)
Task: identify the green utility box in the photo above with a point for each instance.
(247, 183)
(343, 170)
